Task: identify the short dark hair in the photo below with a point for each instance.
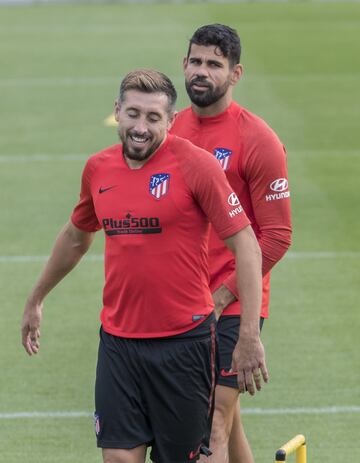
(149, 81)
(219, 35)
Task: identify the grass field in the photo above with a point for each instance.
(59, 74)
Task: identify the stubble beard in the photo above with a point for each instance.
(210, 96)
(136, 154)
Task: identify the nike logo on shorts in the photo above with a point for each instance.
(229, 372)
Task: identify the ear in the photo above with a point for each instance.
(172, 119)
(185, 63)
(116, 110)
(236, 73)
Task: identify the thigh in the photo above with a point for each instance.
(121, 416)
(228, 332)
(180, 399)
(136, 455)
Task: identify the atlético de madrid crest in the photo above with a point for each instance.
(223, 155)
(159, 185)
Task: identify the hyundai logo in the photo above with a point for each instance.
(233, 200)
(279, 184)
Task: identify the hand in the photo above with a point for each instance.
(222, 297)
(30, 327)
(248, 360)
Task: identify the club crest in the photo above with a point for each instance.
(223, 155)
(159, 185)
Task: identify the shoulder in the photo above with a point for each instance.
(256, 129)
(103, 155)
(181, 119)
(184, 113)
(190, 154)
(106, 153)
(95, 161)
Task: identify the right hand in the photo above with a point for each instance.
(222, 297)
(30, 326)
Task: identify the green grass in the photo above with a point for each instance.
(60, 70)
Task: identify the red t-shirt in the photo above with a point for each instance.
(254, 161)
(156, 224)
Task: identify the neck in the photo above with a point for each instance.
(214, 109)
(135, 164)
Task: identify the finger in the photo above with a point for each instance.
(34, 340)
(264, 372)
(25, 339)
(249, 382)
(241, 382)
(257, 378)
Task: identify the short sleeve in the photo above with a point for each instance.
(83, 215)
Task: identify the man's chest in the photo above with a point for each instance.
(225, 143)
(141, 201)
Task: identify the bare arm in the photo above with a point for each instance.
(249, 355)
(71, 244)
(222, 298)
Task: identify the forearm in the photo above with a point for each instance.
(274, 244)
(248, 355)
(70, 246)
(249, 281)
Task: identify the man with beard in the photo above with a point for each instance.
(254, 161)
(154, 195)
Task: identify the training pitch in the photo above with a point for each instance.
(60, 70)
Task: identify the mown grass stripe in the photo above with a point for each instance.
(99, 257)
(249, 411)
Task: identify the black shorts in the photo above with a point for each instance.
(228, 332)
(157, 392)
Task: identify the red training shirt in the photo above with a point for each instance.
(254, 161)
(156, 224)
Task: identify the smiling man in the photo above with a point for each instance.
(254, 161)
(154, 195)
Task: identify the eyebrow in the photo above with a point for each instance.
(214, 61)
(210, 61)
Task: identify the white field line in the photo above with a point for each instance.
(248, 411)
(99, 257)
(46, 157)
(42, 157)
(155, 2)
(103, 80)
(31, 259)
(321, 254)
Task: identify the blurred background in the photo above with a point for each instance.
(60, 68)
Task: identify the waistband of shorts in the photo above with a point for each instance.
(201, 331)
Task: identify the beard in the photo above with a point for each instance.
(208, 97)
(136, 153)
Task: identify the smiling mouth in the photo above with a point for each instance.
(139, 139)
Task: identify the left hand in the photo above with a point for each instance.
(248, 361)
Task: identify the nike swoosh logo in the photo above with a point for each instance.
(102, 190)
(225, 373)
(194, 453)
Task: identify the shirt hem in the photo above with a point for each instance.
(233, 230)
(147, 335)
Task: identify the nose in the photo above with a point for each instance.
(201, 70)
(140, 126)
